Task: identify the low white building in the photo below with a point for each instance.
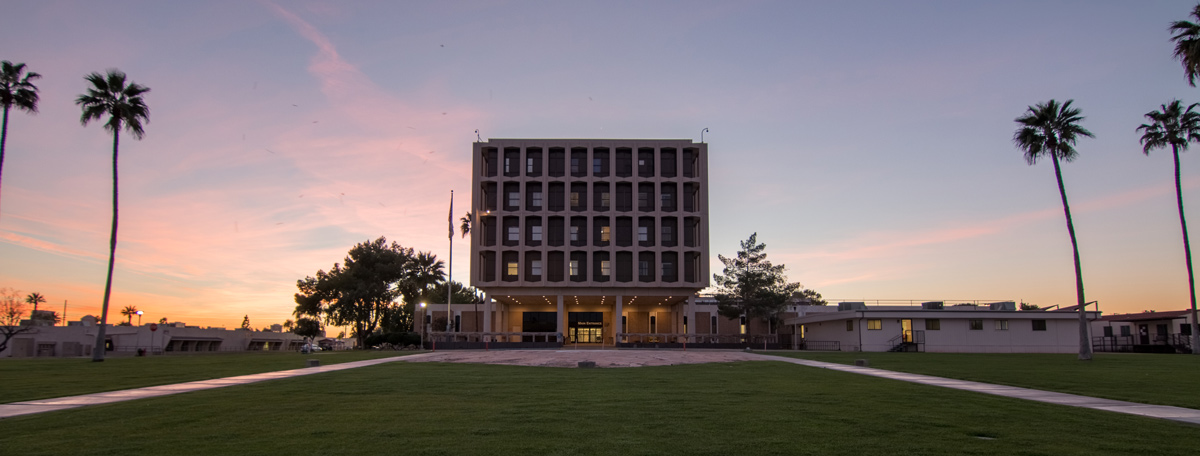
(78, 338)
(1151, 331)
(934, 327)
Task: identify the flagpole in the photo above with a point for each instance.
(450, 266)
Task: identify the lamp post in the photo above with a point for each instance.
(139, 314)
(421, 333)
(139, 333)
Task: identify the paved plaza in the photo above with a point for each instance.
(569, 358)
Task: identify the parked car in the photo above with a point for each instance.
(309, 348)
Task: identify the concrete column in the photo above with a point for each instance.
(487, 315)
(562, 318)
(617, 329)
(690, 313)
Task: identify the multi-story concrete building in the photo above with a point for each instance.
(589, 238)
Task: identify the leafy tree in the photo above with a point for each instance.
(810, 297)
(246, 322)
(162, 321)
(358, 293)
(129, 311)
(109, 95)
(1176, 127)
(420, 279)
(751, 286)
(1187, 45)
(289, 325)
(462, 294)
(1025, 306)
(35, 299)
(45, 317)
(15, 90)
(11, 310)
(1050, 129)
(307, 328)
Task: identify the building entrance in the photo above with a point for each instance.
(585, 327)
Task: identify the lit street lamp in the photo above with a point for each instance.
(421, 333)
(139, 314)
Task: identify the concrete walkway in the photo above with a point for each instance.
(62, 403)
(612, 359)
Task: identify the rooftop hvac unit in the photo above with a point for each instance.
(852, 306)
(1005, 306)
(932, 305)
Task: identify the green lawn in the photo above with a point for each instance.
(709, 409)
(1146, 378)
(40, 378)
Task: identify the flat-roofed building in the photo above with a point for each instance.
(589, 238)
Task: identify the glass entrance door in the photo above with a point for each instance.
(906, 327)
(585, 327)
(587, 335)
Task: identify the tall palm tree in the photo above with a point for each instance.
(1050, 129)
(423, 272)
(35, 299)
(15, 90)
(1176, 127)
(466, 224)
(109, 95)
(1187, 45)
(129, 311)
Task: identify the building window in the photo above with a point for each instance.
(596, 162)
(667, 234)
(574, 199)
(743, 325)
(536, 235)
(713, 324)
(537, 268)
(512, 269)
(605, 200)
(643, 233)
(643, 268)
(574, 268)
(1108, 331)
(874, 324)
(668, 270)
(514, 233)
(1040, 325)
(1125, 331)
(574, 233)
(653, 324)
(529, 165)
(507, 165)
(976, 325)
(933, 324)
(574, 165)
(604, 268)
(1002, 325)
(514, 199)
(643, 199)
(605, 232)
(849, 325)
(537, 199)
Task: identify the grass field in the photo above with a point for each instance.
(41, 378)
(1146, 378)
(710, 409)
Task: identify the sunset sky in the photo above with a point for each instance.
(868, 143)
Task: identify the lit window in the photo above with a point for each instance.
(644, 268)
(537, 199)
(536, 234)
(743, 326)
(514, 233)
(667, 234)
(604, 233)
(574, 199)
(933, 324)
(643, 233)
(529, 164)
(514, 199)
(512, 268)
(1040, 325)
(976, 325)
(604, 199)
(604, 268)
(574, 233)
(574, 268)
(874, 324)
(537, 268)
(1002, 325)
(641, 162)
(507, 165)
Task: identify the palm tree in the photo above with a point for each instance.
(35, 299)
(109, 95)
(1050, 129)
(466, 224)
(1176, 127)
(129, 311)
(15, 90)
(1187, 45)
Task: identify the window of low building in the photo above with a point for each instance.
(933, 324)
(1002, 325)
(1039, 325)
(849, 325)
(874, 324)
(976, 325)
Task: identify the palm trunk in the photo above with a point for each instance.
(98, 349)
(1085, 343)
(1187, 254)
(3, 138)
